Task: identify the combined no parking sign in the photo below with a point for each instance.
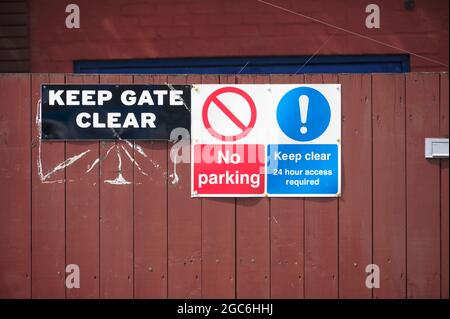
(256, 140)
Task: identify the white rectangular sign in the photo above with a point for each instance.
(266, 140)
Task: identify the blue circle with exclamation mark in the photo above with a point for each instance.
(303, 114)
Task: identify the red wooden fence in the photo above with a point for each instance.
(149, 239)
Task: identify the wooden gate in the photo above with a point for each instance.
(146, 238)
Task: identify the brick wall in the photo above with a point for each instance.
(137, 29)
(14, 54)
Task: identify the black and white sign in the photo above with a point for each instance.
(109, 112)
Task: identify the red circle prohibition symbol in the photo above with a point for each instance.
(245, 129)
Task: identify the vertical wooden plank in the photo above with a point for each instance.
(253, 236)
(422, 199)
(287, 256)
(218, 235)
(287, 234)
(82, 209)
(444, 187)
(116, 214)
(15, 187)
(184, 220)
(48, 205)
(389, 189)
(321, 236)
(355, 204)
(150, 212)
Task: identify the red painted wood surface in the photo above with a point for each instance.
(150, 212)
(252, 236)
(218, 235)
(321, 236)
(389, 189)
(422, 187)
(184, 220)
(287, 234)
(15, 192)
(48, 205)
(149, 239)
(443, 128)
(355, 204)
(82, 210)
(116, 214)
